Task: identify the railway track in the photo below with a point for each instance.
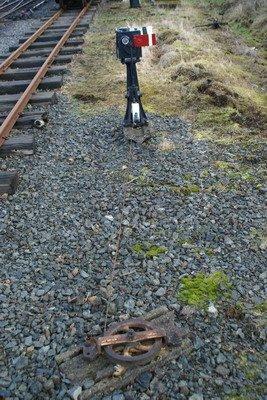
(30, 73)
(9, 8)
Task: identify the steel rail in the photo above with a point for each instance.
(13, 56)
(14, 114)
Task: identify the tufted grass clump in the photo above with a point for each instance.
(201, 289)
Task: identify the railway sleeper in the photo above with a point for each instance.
(41, 45)
(29, 73)
(38, 61)
(59, 31)
(69, 17)
(29, 119)
(46, 51)
(65, 26)
(41, 98)
(11, 87)
(23, 143)
(8, 182)
(46, 38)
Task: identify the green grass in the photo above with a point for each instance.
(240, 29)
(201, 289)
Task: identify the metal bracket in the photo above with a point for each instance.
(139, 134)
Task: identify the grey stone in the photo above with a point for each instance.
(35, 387)
(198, 343)
(183, 387)
(196, 396)
(129, 304)
(21, 362)
(144, 379)
(160, 292)
(188, 311)
(87, 314)
(28, 341)
(49, 385)
(87, 383)
(75, 392)
(84, 274)
(240, 333)
(222, 370)
(118, 396)
(221, 358)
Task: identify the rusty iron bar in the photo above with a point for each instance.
(6, 64)
(126, 338)
(14, 114)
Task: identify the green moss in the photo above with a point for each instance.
(222, 165)
(155, 251)
(209, 252)
(148, 250)
(252, 369)
(217, 116)
(138, 248)
(186, 190)
(261, 308)
(200, 289)
(240, 172)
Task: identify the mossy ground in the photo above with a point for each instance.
(253, 365)
(193, 72)
(201, 289)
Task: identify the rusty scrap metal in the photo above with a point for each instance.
(214, 24)
(134, 342)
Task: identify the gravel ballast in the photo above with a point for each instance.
(13, 28)
(59, 235)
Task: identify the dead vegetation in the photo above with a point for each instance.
(193, 72)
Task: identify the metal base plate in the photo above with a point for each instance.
(138, 135)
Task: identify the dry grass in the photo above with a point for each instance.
(194, 73)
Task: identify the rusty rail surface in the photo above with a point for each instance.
(14, 114)
(6, 64)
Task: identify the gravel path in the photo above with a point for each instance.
(59, 234)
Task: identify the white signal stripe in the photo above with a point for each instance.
(149, 32)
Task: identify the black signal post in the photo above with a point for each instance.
(135, 4)
(129, 43)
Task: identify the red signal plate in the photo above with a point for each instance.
(143, 40)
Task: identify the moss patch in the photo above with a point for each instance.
(201, 289)
(261, 308)
(147, 250)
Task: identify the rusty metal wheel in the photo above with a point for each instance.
(135, 352)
